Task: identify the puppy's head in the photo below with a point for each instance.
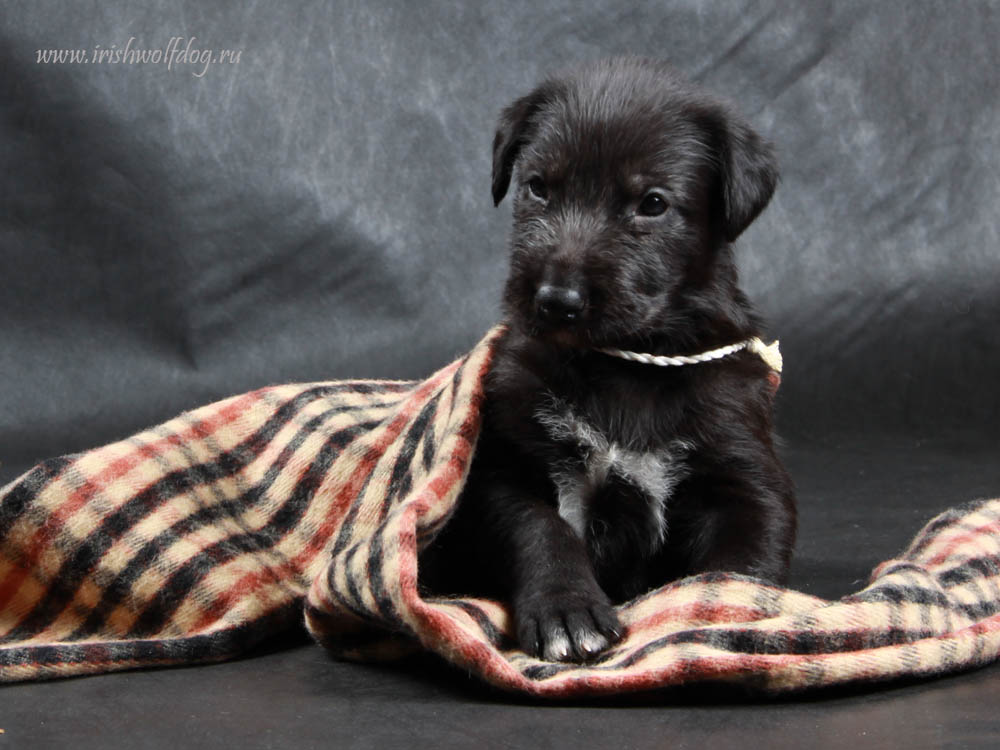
(629, 183)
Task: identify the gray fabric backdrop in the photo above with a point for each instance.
(321, 208)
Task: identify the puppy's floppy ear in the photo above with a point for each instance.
(513, 131)
(748, 172)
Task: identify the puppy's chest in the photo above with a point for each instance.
(602, 473)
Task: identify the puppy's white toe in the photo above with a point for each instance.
(557, 648)
(592, 643)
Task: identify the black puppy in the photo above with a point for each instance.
(597, 478)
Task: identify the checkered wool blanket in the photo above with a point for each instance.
(199, 539)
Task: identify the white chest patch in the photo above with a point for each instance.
(655, 473)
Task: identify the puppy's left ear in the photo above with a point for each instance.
(749, 174)
(513, 132)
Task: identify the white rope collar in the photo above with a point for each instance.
(768, 352)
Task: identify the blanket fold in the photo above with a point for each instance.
(204, 537)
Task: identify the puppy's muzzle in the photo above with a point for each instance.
(559, 305)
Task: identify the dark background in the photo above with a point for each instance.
(322, 209)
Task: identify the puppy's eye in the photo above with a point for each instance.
(653, 203)
(538, 189)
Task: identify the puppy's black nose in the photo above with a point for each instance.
(556, 304)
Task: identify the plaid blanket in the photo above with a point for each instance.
(206, 536)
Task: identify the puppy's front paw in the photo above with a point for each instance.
(566, 626)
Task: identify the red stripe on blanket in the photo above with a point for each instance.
(956, 542)
(695, 612)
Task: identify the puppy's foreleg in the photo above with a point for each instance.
(560, 611)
